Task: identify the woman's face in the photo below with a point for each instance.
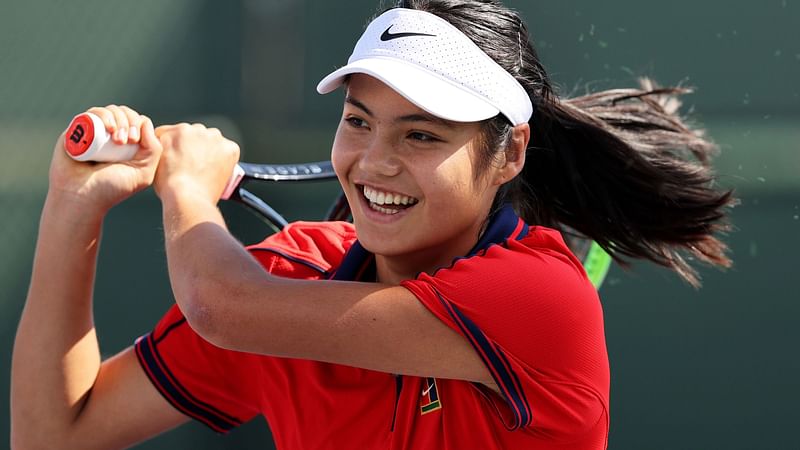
(410, 178)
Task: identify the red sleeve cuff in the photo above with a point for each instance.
(172, 390)
(490, 353)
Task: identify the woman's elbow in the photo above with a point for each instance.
(206, 314)
(214, 312)
(225, 316)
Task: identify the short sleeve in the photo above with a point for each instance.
(214, 386)
(305, 250)
(535, 320)
(223, 388)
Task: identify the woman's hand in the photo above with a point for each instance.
(99, 186)
(62, 393)
(196, 160)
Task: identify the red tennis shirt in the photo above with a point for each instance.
(521, 299)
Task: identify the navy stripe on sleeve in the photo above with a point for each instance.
(167, 330)
(498, 365)
(175, 394)
(295, 259)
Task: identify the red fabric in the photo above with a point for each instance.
(541, 320)
(538, 325)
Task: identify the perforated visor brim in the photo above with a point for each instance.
(430, 92)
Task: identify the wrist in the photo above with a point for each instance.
(72, 208)
(185, 199)
(185, 210)
(184, 189)
(65, 221)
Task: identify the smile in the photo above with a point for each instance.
(387, 202)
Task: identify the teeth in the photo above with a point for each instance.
(387, 198)
(384, 210)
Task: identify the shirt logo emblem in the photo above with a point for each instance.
(430, 397)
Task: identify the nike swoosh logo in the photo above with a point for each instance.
(425, 391)
(387, 36)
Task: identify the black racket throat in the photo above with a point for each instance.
(321, 170)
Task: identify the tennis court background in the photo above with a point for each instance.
(714, 368)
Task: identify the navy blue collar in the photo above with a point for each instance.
(359, 264)
(503, 225)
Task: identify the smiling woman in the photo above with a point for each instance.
(387, 147)
(450, 314)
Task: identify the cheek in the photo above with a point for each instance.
(339, 157)
(452, 178)
(343, 159)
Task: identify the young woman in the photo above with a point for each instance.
(451, 314)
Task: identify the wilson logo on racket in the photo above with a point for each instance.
(430, 397)
(77, 134)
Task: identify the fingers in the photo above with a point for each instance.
(149, 145)
(149, 138)
(122, 123)
(120, 136)
(134, 124)
(127, 126)
(173, 133)
(163, 129)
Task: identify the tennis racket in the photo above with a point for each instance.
(87, 140)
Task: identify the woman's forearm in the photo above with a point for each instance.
(56, 356)
(205, 262)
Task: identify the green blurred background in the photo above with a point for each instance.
(692, 369)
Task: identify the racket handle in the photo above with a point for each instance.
(87, 139)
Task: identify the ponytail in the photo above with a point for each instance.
(619, 167)
(622, 168)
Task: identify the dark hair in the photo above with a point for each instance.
(619, 167)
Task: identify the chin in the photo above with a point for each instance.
(374, 242)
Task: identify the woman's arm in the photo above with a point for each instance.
(62, 395)
(229, 300)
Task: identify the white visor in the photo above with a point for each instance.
(433, 65)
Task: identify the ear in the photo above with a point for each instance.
(513, 159)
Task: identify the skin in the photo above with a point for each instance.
(387, 143)
(383, 141)
(56, 363)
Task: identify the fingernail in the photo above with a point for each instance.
(134, 134)
(122, 134)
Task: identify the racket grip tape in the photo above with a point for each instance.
(87, 139)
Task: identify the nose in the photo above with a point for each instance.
(379, 157)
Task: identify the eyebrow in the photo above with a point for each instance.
(357, 104)
(416, 117)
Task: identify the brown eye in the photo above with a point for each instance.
(422, 137)
(355, 122)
